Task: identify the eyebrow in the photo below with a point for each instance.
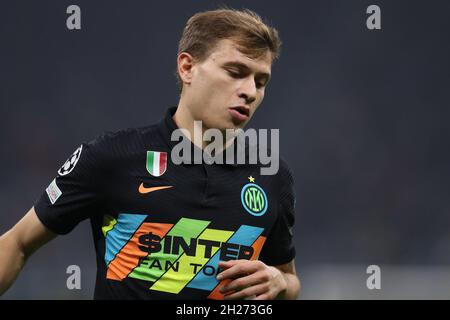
(243, 66)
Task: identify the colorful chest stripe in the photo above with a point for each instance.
(172, 257)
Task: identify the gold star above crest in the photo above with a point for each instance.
(251, 179)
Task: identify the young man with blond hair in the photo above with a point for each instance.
(169, 231)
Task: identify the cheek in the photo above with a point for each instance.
(258, 101)
(222, 89)
(259, 98)
(214, 87)
(209, 82)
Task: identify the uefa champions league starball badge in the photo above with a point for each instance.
(70, 164)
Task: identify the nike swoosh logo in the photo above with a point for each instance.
(145, 190)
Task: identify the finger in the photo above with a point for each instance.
(250, 292)
(265, 296)
(238, 270)
(245, 282)
(230, 263)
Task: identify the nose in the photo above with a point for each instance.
(248, 90)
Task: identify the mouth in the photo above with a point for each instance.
(240, 113)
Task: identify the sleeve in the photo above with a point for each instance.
(279, 247)
(74, 195)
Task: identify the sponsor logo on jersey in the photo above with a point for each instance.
(174, 256)
(143, 189)
(70, 164)
(156, 163)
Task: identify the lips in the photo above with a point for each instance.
(240, 112)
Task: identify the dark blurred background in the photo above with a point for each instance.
(363, 117)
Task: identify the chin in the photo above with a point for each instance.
(238, 125)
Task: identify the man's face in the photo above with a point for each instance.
(227, 87)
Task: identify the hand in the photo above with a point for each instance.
(250, 280)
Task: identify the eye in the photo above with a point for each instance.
(234, 73)
(261, 84)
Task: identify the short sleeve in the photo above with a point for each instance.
(74, 194)
(279, 247)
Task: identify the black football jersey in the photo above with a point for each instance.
(161, 229)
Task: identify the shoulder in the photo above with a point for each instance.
(122, 141)
(280, 169)
(122, 135)
(284, 182)
(114, 148)
(284, 172)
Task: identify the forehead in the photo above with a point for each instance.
(227, 51)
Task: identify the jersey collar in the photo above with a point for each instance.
(167, 125)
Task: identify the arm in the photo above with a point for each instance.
(17, 245)
(292, 281)
(255, 279)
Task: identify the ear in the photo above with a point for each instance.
(185, 63)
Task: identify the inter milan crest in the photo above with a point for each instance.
(254, 199)
(70, 164)
(156, 163)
